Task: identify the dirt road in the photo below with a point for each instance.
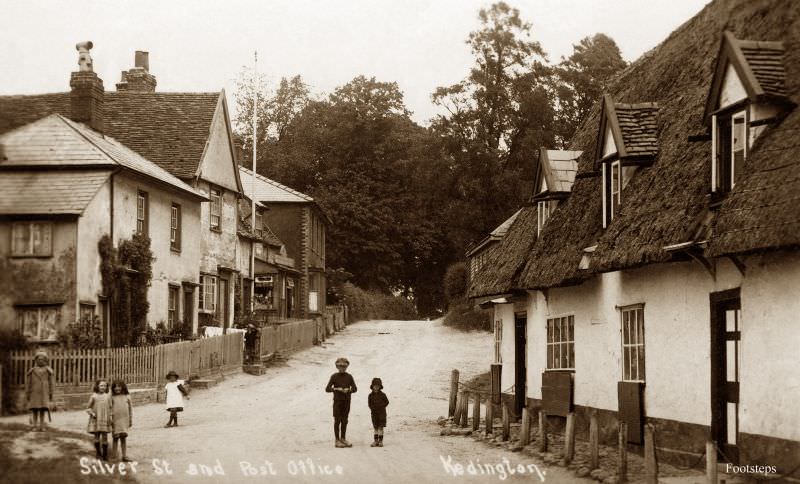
(278, 427)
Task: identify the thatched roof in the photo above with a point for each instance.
(504, 260)
(662, 204)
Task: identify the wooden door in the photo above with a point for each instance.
(520, 326)
(726, 320)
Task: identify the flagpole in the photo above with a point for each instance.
(253, 182)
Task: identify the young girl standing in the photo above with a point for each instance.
(377, 402)
(121, 416)
(175, 394)
(39, 390)
(99, 411)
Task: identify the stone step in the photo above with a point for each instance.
(203, 383)
(254, 369)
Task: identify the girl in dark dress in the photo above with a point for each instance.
(377, 404)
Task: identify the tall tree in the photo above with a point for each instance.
(582, 78)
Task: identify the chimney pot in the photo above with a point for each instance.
(87, 94)
(142, 59)
(84, 57)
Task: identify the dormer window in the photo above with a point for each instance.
(747, 93)
(626, 141)
(554, 178)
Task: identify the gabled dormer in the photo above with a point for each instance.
(626, 141)
(554, 178)
(747, 93)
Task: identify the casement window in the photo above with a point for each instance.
(173, 293)
(729, 145)
(142, 215)
(561, 343)
(208, 293)
(313, 293)
(216, 208)
(86, 312)
(32, 239)
(175, 227)
(258, 249)
(612, 190)
(39, 323)
(543, 213)
(633, 343)
(498, 341)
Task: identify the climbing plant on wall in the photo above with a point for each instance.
(126, 273)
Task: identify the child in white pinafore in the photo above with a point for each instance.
(175, 394)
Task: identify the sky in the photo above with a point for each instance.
(202, 45)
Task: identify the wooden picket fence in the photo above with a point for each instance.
(139, 365)
(288, 336)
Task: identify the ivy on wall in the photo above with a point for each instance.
(126, 273)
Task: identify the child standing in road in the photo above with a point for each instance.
(121, 417)
(175, 393)
(377, 402)
(39, 390)
(99, 411)
(342, 385)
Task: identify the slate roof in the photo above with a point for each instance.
(766, 61)
(497, 234)
(49, 192)
(269, 191)
(55, 141)
(168, 128)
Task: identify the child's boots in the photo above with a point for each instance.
(98, 454)
(105, 451)
(375, 441)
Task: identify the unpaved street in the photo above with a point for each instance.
(284, 417)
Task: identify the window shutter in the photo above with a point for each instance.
(179, 229)
(714, 160)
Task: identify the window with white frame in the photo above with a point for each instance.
(175, 227)
(633, 343)
(313, 293)
(561, 343)
(259, 228)
(215, 196)
(543, 213)
(612, 189)
(208, 293)
(498, 340)
(729, 133)
(32, 239)
(39, 323)
(141, 212)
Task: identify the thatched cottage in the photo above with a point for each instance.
(661, 290)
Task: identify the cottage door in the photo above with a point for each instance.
(726, 320)
(520, 326)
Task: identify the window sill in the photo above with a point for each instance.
(560, 370)
(207, 311)
(215, 229)
(175, 251)
(30, 256)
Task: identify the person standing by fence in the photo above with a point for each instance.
(342, 385)
(99, 410)
(39, 390)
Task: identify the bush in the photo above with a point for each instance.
(85, 334)
(465, 316)
(10, 340)
(456, 280)
(365, 305)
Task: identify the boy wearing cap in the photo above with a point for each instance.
(342, 385)
(377, 402)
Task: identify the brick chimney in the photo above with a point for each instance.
(86, 96)
(138, 78)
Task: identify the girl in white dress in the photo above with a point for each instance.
(175, 395)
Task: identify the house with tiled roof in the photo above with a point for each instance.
(297, 220)
(187, 134)
(63, 186)
(661, 289)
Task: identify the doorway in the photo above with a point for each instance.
(726, 320)
(520, 336)
(224, 305)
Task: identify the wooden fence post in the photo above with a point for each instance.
(542, 431)
(525, 429)
(453, 393)
(594, 441)
(465, 410)
(623, 452)
(711, 462)
(489, 416)
(506, 423)
(569, 438)
(457, 411)
(650, 462)
(476, 412)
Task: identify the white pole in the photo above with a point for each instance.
(253, 182)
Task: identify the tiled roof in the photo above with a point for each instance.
(49, 192)
(267, 190)
(766, 61)
(638, 125)
(57, 141)
(559, 168)
(170, 129)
